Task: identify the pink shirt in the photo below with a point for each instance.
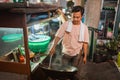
(71, 43)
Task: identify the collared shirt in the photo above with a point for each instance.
(71, 43)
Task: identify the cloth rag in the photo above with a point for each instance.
(81, 35)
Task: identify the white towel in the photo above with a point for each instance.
(81, 35)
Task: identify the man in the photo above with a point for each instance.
(70, 4)
(75, 38)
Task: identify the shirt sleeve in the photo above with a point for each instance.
(86, 34)
(61, 31)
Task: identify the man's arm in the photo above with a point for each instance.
(85, 50)
(57, 39)
(55, 42)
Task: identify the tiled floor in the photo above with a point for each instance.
(99, 71)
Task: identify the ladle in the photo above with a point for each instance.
(50, 62)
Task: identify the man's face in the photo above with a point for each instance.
(76, 18)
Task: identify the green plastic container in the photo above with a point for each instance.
(18, 1)
(40, 44)
(12, 37)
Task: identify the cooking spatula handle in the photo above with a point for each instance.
(50, 61)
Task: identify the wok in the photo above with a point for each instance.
(58, 71)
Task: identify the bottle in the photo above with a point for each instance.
(21, 50)
(21, 54)
(118, 59)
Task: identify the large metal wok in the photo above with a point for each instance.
(58, 71)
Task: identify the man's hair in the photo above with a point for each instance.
(78, 9)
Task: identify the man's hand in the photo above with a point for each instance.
(62, 16)
(59, 11)
(84, 60)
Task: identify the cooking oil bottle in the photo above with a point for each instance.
(21, 54)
